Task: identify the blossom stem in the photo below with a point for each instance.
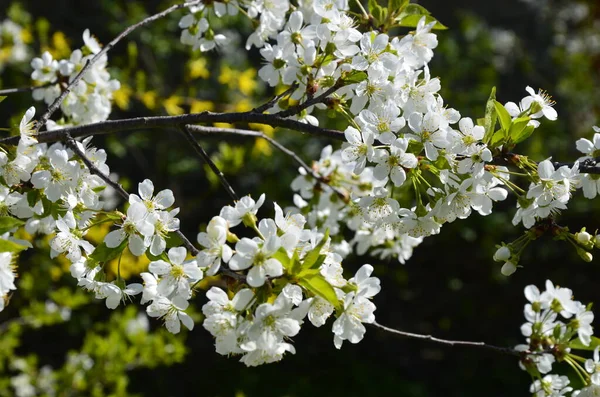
(96, 224)
(580, 371)
(362, 9)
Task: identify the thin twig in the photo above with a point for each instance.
(58, 101)
(72, 144)
(482, 345)
(274, 100)
(309, 102)
(110, 126)
(587, 166)
(8, 91)
(202, 153)
(276, 144)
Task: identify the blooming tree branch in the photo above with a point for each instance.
(101, 53)
(409, 164)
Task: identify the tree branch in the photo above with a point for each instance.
(587, 166)
(110, 126)
(58, 101)
(274, 100)
(483, 345)
(72, 144)
(234, 131)
(312, 101)
(8, 91)
(202, 153)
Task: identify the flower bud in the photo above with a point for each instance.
(583, 254)
(597, 241)
(583, 237)
(502, 254)
(508, 268)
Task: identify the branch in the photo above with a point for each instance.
(58, 101)
(274, 100)
(483, 345)
(8, 91)
(110, 126)
(277, 145)
(72, 144)
(312, 101)
(587, 166)
(202, 153)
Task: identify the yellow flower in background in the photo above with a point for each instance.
(247, 81)
(234, 79)
(122, 96)
(149, 99)
(172, 105)
(61, 47)
(198, 106)
(243, 106)
(197, 69)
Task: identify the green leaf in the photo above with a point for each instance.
(498, 138)
(312, 258)
(104, 254)
(412, 14)
(319, 286)
(7, 223)
(2, 98)
(379, 14)
(162, 257)
(576, 344)
(282, 256)
(491, 116)
(173, 240)
(519, 131)
(11, 246)
(355, 77)
(414, 9)
(411, 21)
(372, 4)
(503, 115)
(32, 197)
(395, 5)
(296, 266)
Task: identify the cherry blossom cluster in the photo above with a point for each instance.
(402, 140)
(90, 99)
(556, 324)
(197, 32)
(289, 273)
(52, 191)
(284, 274)
(323, 208)
(12, 47)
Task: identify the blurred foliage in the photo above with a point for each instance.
(53, 336)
